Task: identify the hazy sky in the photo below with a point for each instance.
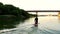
(34, 4)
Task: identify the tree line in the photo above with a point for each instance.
(10, 10)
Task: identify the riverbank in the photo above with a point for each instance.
(10, 21)
(10, 16)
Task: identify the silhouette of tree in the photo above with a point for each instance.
(18, 14)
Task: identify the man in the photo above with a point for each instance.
(36, 21)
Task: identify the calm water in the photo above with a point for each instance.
(47, 25)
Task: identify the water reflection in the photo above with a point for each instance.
(33, 29)
(36, 30)
(46, 25)
(59, 19)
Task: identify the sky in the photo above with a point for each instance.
(34, 4)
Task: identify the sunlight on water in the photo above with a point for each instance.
(47, 25)
(50, 22)
(44, 13)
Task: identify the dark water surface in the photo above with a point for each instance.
(47, 25)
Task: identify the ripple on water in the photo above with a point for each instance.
(47, 25)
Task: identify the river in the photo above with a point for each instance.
(46, 25)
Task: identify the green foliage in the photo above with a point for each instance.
(12, 10)
(11, 15)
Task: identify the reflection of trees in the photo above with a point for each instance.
(14, 15)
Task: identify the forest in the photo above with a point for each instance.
(11, 16)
